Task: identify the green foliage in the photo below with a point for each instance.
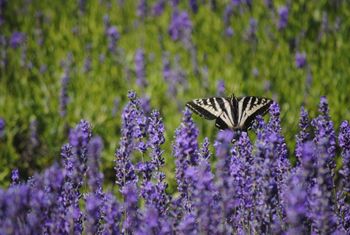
(27, 94)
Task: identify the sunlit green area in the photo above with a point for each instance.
(70, 39)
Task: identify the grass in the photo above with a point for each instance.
(28, 95)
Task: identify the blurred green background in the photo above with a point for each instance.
(70, 39)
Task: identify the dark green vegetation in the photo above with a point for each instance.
(261, 62)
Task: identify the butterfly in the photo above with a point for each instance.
(235, 113)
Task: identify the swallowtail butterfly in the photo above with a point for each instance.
(235, 113)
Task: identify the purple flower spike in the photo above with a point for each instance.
(204, 151)
(220, 88)
(205, 205)
(112, 215)
(322, 205)
(295, 198)
(283, 13)
(93, 214)
(80, 137)
(180, 27)
(241, 170)
(156, 138)
(15, 177)
(186, 144)
(132, 218)
(251, 32)
(188, 225)
(185, 151)
(95, 177)
(224, 180)
(193, 5)
(64, 98)
(303, 135)
(300, 60)
(142, 9)
(140, 68)
(325, 135)
(2, 127)
(17, 39)
(229, 32)
(113, 38)
(158, 7)
(344, 143)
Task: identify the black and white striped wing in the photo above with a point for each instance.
(249, 107)
(218, 108)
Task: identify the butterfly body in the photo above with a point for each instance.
(235, 113)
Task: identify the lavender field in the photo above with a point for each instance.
(95, 137)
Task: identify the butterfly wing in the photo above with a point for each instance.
(218, 108)
(231, 112)
(249, 107)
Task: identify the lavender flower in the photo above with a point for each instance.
(224, 180)
(237, 2)
(132, 220)
(93, 214)
(112, 215)
(242, 172)
(79, 139)
(220, 88)
(175, 3)
(155, 195)
(14, 208)
(267, 191)
(204, 151)
(151, 222)
(193, 5)
(251, 32)
(116, 104)
(64, 98)
(156, 138)
(158, 7)
(303, 135)
(283, 13)
(325, 138)
(17, 39)
(106, 22)
(33, 137)
(124, 168)
(188, 225)
(295, 197)
(229, 32)
(204, 196)
(15, 176)
(185, 151)
(274, 136)
(343, 194)
(228, 12)
(75, 157)
(180, 27)
(300, 60)
(2, 127)
(113, 37)
(95, 177)
(140, 68)
(87, 64)
(142, 9)
(45, 200)
(321, 203)
(344, 143)
(174, 77)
